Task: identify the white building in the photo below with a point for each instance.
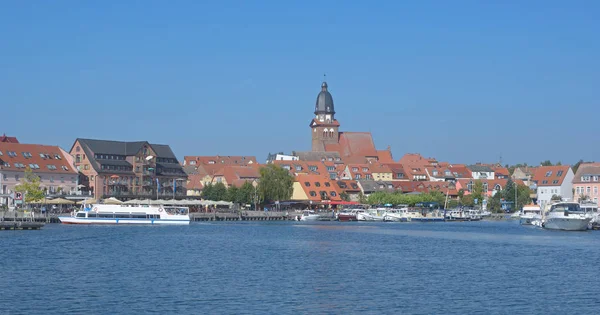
(553, 181)
(481, 171)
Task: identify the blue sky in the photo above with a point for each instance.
(463, 81)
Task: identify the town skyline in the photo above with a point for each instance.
(243, 81)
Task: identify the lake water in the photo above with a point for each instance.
(283, 267)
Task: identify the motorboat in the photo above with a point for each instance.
(308, 215)
(128, 214)
(566, 216)
(590, 208)
(396, 215)
(529, 214)
(349, 215)
(425, 215)
(372, 214)
(462, 215)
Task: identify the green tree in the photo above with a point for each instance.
(467, 200)
(576, 166)
(523, 196)
(494, 203)
(219, 192)
(556, 198)
(345, 196)
(246, 193)
(546, 163)
(275, 183)
(362, 198)
(232, 194)
(208, 192)
(477, 192)
(30, 187)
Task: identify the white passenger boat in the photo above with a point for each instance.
(566, 216)
(128, 214)
(530, 213)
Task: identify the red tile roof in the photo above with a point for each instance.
(416, 158)
(385, 156)
(549, 175)
(313, 185)
(54, 160)
(354, 145)
(231, 173)
(7, 139)
(218, 159)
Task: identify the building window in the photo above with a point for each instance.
(298, 168)
(307, 184)
(333, 194)
(588, 190)
(595, 190)
(312, 193)
(548, 173)
(368, 176)
(327, 184)
(554, 182)
(357, 176)
(365, 169)
(317, 184)
(544, 182)
(400, 175)
(355, 169)
(559, 173)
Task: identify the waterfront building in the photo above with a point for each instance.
(52, 164)
(398, 172)
(128, 170)
(553, 181)
(317, 189)
(586, 182)
(370, 186)
(490, 186)
(353, 147)
(357, 172)
(350, 188)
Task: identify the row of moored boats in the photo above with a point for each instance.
(567, 216)
(399, 214)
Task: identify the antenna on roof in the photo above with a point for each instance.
(324, 77)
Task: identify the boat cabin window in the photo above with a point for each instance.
(571, 207)
(81, 215)
(92, 214)
(105, 215)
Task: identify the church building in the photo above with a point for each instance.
(353, 147)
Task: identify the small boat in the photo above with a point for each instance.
(372, 215)
(396, 215)
(529, 214)
(348, 215)
(590, 208)
(128, 214)
(566, 216)
(308, 215)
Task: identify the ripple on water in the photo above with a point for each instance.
(275, 267)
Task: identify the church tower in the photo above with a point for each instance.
(324, 127)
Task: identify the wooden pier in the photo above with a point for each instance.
(20, 225)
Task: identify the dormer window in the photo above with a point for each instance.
(307, 184)
(365, 169)
(559, 173)
(548, 173)
(317, 184)
(355, 169)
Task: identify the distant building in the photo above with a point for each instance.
(219, 159)
(281, 157)
(4, 138)
(128, 170)
(316, 189)
(479, 171)
(52, 164)
(353, 147)
(586, 182)
(553, 181)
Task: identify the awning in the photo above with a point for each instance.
(344, 203)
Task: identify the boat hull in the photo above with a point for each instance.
(429, 219)
(567, 224)
(347, 217)
(74, 220)
(310, 217)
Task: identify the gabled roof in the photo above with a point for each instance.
(385, 156)
(587, 169)
(319, 156)
(480, 168)
(354, 145)
(53, 160)
(219, 159)
(550, 175)
(234, 172)
(6, 139)
(314, 185)
(370, 186)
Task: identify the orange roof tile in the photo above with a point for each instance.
(53, 160)
(550, 175)
(315, 186)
